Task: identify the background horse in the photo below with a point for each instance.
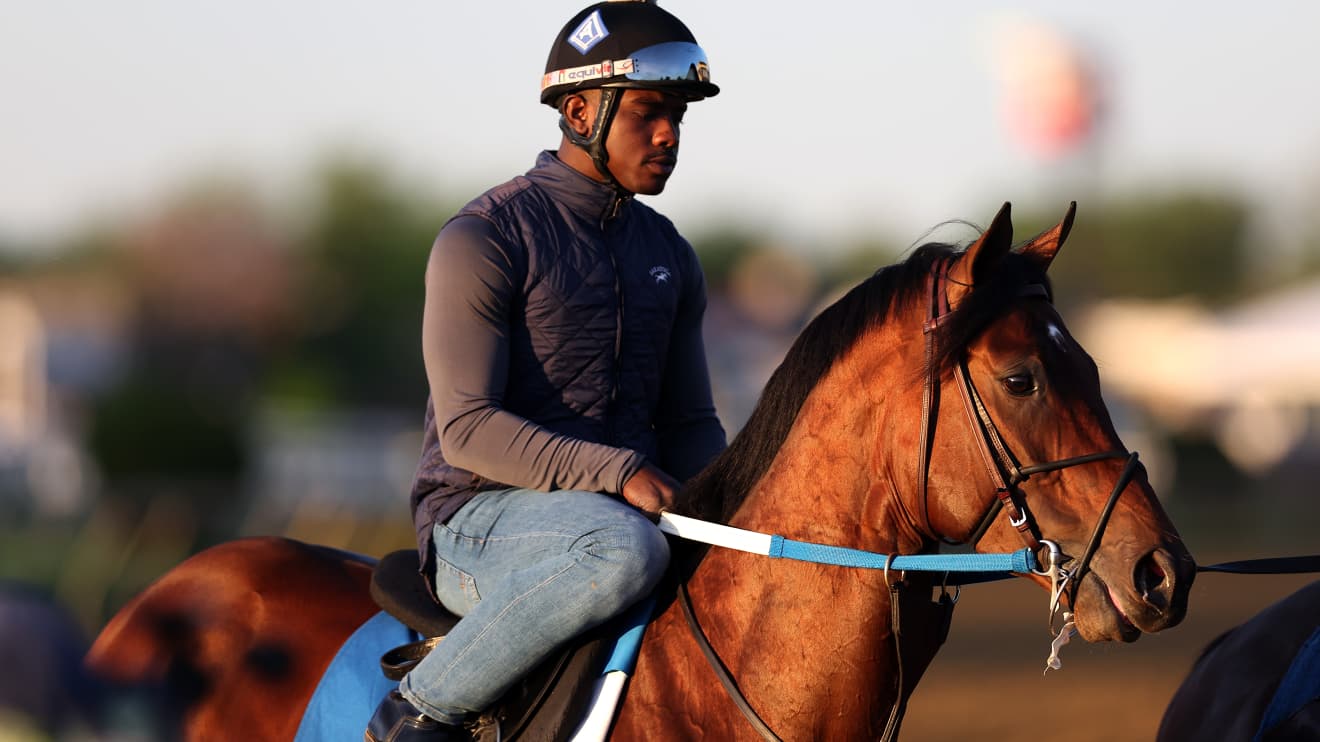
(44, 691)
(1274, 655)
(859, 440)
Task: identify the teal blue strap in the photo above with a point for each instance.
(1019, 562)
(624, 657)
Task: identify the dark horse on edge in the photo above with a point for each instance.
(860, 440)
(1260, 680)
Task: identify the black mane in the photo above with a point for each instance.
(717, 492)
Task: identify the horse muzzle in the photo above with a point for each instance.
(1148, 596)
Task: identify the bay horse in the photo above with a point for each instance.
(858, 440)
(1260, 680)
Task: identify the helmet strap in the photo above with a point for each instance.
(594, 142)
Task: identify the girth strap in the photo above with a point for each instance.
(722, 672)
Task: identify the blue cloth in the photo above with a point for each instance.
(1300, 686)
(353, 685)
(629, 644)
(528, 571)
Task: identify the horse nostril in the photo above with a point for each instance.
(1149, 579)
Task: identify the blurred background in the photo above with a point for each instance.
(214, 220)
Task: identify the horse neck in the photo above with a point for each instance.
(838, 475)
(810, 639)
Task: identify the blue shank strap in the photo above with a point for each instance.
(1019, 562)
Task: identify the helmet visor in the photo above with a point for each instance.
(677, 64)
(672, 61)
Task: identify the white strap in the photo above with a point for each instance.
(716, 534)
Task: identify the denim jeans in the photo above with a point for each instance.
(528, 571)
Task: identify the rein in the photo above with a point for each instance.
(1005, 472)
(958, 569)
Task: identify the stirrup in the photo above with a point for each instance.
(402, 659)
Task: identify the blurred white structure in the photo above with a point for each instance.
(1251, 375)
(22, 371)
(39, 462)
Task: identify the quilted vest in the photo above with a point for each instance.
(601, 282)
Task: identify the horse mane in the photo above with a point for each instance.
(718, 490)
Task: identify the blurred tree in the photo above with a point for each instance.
(721, 249)
(153, 428)
(858, 261)
(366, 247)
(1306, 262)
(1154, 247)
(211, 277)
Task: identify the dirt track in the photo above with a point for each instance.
(986, 683)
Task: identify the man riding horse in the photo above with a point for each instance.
(570, 394)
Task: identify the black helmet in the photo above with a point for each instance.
(626, 44)
(622, 44)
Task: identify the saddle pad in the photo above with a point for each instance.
(1300, 686)
(353, 684)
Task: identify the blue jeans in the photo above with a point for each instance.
(528, 571)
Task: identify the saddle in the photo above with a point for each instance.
(545, 706)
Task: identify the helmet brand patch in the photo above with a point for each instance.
(589, 33)
(608, 68)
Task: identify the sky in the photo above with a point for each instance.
(836, 118)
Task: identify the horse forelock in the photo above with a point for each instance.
(986, 302)
(718, 491)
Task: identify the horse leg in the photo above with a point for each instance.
(237, 636)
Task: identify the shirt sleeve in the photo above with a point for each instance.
(472, 279)
(689, 432)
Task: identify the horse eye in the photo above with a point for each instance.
(1020, 385)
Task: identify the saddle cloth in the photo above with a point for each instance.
(546, 706)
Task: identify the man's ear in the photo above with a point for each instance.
(578, 112)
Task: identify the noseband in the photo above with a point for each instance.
(1003, 467)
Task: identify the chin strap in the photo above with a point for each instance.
(594, 142)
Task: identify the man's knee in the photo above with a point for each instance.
(629, 556)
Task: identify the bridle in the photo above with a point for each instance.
(1005, 472)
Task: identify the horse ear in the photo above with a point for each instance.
(1045, 246)
(982, 258)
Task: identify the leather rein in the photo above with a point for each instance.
(1005, 472)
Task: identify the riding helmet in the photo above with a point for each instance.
(626, 44)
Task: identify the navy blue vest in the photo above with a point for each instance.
(601, 283)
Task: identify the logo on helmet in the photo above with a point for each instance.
(589, 33)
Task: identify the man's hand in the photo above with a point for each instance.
(650, 490)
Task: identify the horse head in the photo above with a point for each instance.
(1033, 433)
(940, 400)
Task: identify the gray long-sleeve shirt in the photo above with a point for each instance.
(562, 340)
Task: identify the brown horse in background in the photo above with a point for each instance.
(1236, 678)
(853, 443)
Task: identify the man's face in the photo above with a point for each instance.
(643, 140)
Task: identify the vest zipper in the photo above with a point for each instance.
(611, 428)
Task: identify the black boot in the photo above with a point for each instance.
(397, 720)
